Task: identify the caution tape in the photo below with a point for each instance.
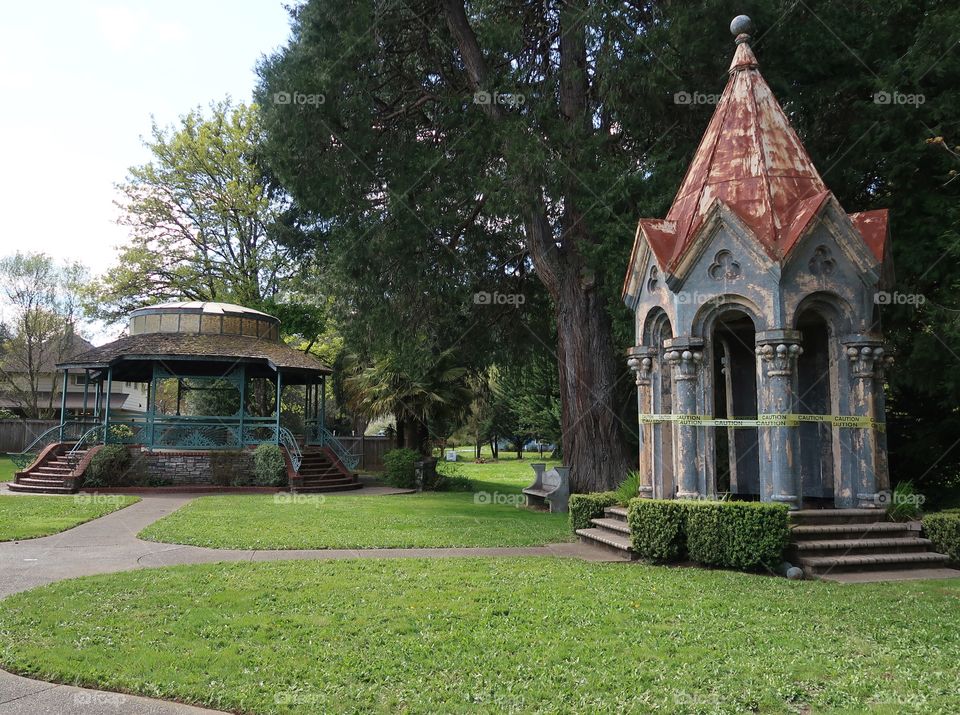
(766, 420)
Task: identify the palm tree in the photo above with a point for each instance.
(432, 394)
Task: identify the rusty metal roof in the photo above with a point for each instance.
(751, 161)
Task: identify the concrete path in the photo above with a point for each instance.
(110, 544)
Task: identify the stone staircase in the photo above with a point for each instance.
(610, 532)
(861, 545)
(51, 474)
(321, 472)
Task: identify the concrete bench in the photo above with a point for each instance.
(549, 489)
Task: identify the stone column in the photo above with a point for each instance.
(777, 352)
(880, 410)
(686, 360)
(641, 363)
(866, 357)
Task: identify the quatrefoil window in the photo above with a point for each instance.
(654, 279)
(822, 263)
(724, 268)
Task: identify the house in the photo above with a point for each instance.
(17, 396)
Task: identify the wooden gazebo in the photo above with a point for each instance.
(215, 375)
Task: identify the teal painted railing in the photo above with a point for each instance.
(289, 443)
(71, 430)
(325, 438)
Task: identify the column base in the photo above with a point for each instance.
(880, 500)
(689, 495)
(791, 500)
(646, 491)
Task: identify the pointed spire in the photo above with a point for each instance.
(743, 58)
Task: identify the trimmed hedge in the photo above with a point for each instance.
(584, 507)
(943, 530)
(658, 528)
(746, 536)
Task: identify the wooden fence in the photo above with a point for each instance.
(369, 449)
(17, 434)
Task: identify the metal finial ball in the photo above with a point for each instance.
(741, 25)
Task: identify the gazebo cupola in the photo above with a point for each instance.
(758, 356)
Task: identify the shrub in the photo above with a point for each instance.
(110, 466)
(658, 528)
(400, 468)
(269, 466)
(584, 507)
(746, 536)
(629, 488)
(943, 530)
(905, 502)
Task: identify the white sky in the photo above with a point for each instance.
(80, 81)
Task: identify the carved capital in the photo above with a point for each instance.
(685, 363)
(780, 358)
(867, 361)
(642, 362)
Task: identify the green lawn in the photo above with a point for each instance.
(492, 635)
(7, 468)
(27, 517)
(507, 474)
(356, 522)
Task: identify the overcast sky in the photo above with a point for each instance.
(80, 81)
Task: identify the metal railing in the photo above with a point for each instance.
(68, 431)
(325, 438)
(289, 443)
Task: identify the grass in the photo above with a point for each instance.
(357, 522)
(27, 517)
(508, 474)
(491, 635)
(7, 469)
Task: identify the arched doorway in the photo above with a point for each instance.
(816, 376)
(737, 457)
(662, 462)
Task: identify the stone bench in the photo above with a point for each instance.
(549, 489)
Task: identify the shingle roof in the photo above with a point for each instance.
(227, 347)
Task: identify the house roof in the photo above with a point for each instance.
(48, 358)
(751, 161)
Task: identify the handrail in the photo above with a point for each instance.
(289, 443)
(326, 438)
(23, 458)
(83, 438)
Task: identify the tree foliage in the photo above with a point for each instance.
(43, 302)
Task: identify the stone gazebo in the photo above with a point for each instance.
(215, 375)
(759, 359)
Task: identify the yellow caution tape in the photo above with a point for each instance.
(767, 420)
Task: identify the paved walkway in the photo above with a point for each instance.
(110, 544)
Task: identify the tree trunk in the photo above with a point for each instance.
(591, 438)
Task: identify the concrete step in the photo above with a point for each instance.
(616, 512)
(817, 565)
(859, 547)
(38, 489)
(837, 516)
(316, 489)
(913, 574)
(880, 529)
(612, 525)
(41, 478)
(611, 540)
